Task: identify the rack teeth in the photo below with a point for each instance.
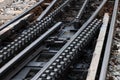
(71, 52)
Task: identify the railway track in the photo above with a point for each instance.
(61, 44)
(53, 16)
(15, 33)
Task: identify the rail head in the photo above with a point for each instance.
(109, 43)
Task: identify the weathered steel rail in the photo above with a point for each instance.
(108, 46)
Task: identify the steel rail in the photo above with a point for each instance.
(46, 10)
(82, 10)
(109, 43)
(66, 45)
(29, 48)
(21, 15)
(76, 21)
